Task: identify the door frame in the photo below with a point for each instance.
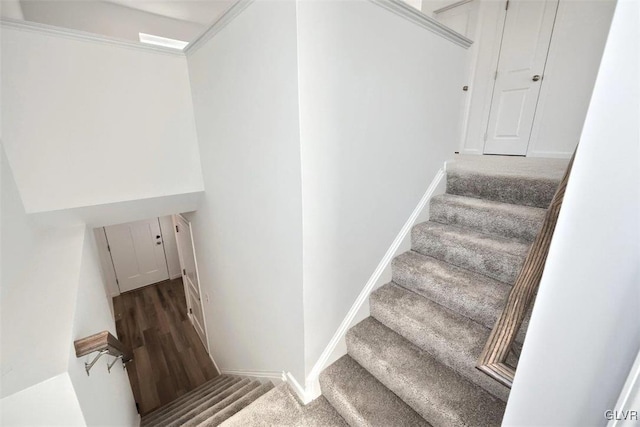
(482, 79)
(539, 98)
(176, 219)
(109, 254)
(473, 51)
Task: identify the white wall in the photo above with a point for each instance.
(100, 123)
(49, 403)
(11, 9)
(105, 398)
(52, 293)
(576, 48)
(378, 115)
(109, 19)
(39, 284)
(248, 231)
(585, 329)
(574, 56)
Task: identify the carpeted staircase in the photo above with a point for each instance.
(210, 404)
(412, 362)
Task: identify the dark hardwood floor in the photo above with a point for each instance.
(168, 357)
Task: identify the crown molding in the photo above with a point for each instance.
(68, 33)
(397, 7)
(412, 14)
(229, 15)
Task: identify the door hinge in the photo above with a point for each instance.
(109, 248)
(495, 76)
(506, 7)
(485, 137)
(117, 282)
(177, 231)
(184, 272)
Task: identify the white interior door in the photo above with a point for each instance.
(523, 54)
(463, 19)
(189, 265)
(137, 252)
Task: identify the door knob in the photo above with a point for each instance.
(158, 243)
(158, 236)
(536, 78)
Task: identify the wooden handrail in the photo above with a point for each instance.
(493, 359)
(102, 342)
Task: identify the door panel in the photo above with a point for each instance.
(190, 277)
(523, 54)
(463, 19)
(510, 113)
(137, 252)
(197, 317)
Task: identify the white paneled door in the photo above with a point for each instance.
(523, 54)
(462, 17)
(137, 251)
(186, 252)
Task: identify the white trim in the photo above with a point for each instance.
(272, 375)
(471, 151)
(85, 36)
(302, 394)
(631, 387)
(176, 219)
(550, 154)
(312, 381)
(229, 15)
(451, 6)
(412, 14)
(106, 263)
(395, 6)
(473, 142)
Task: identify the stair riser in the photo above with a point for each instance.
(205, 413)
(206, 389)
(185, 414)
(436, 393)
(237, 406)
(484, 306)
(499, 265)
(453, 340)
(505, 189)
(362, 400)
(504, 222)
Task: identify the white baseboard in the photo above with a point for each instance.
(214, 362)
(472, 151)
(300, 391)
(551, 154)
(336, 347)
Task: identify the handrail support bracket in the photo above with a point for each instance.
(88, 366)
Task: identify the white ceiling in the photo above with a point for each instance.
(124, 19)
(199, 11)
